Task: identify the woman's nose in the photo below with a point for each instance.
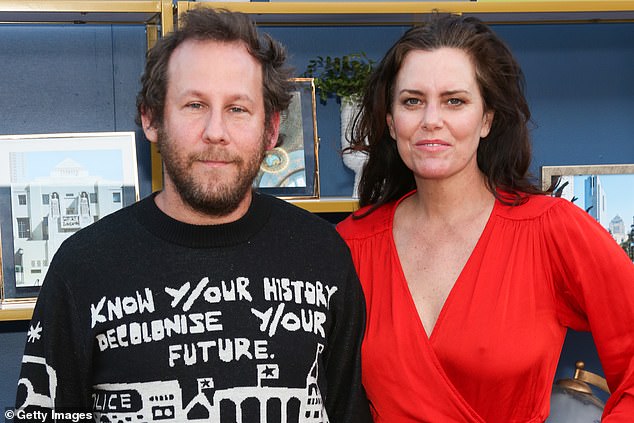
(432, 116)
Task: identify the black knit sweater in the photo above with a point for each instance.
(145, 318)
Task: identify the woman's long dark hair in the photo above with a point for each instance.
(503, 156)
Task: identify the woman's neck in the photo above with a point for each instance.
(451, 200)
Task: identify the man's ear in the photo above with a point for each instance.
(151, 133)
(273, 131)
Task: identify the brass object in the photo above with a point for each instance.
(582, 380)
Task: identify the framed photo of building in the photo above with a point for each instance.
(291, 169)
(51, 186)
(604, 191)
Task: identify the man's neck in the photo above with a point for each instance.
(173, 205)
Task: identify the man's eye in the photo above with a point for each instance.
(236, 109)
(195, 106)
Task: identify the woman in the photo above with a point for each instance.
(471, 274)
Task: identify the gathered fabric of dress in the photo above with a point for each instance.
(537, 269)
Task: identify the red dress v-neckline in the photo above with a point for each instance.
(447, 304)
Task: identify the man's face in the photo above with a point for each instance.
(213, 136)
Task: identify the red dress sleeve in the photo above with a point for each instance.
(594, 285)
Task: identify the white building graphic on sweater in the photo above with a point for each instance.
(161, 401)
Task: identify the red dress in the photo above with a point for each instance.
(536, 270)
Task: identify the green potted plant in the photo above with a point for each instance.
(344, 78)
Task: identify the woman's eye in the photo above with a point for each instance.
(455, 102)
(412, 102)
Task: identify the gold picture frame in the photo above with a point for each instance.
(291, 169)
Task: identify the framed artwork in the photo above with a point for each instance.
(51, 186)
(291, 170)
(604, 191)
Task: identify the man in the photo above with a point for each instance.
(205, 301)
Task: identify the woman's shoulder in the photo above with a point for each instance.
(530, 206)
(539, 206)
(367, 222)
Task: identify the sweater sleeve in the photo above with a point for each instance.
(54, 371)
(594, 285)
(346, 401)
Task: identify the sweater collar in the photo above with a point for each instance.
(204, 236)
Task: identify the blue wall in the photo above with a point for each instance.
(84, 78)
(79, 78)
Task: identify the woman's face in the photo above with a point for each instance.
(437, 116)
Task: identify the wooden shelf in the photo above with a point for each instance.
(409, 12)
(81, 11)
(328, 204)
(21, 311)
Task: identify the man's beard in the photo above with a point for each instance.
(215, 197)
